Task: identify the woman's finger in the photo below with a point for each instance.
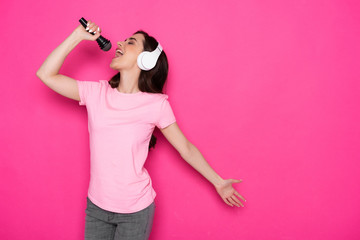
(236, 180)
(96, 29)
(233, 202)
(236, 200)
(227, 202)
(92, 27)
(87, 25)
(237, 194)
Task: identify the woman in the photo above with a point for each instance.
(123, 113)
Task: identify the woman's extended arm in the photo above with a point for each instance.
(193, 156)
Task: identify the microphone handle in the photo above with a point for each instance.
(103, 43)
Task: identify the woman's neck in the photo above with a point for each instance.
(129, 82)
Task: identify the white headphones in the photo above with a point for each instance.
(147, 60)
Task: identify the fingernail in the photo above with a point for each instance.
(87, 24)
(95, 32)
(90, 30)
(98, 29)
(87, 28)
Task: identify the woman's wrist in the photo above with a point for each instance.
(76, 37)
(218, 181)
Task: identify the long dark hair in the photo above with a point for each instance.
(152, 81)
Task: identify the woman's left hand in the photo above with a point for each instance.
(227, 192)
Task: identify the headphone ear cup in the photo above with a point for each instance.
(146, 61)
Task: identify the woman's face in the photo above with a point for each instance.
(129, 51)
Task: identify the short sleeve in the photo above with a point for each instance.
(86, 88)
(166, 115)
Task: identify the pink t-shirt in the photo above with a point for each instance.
(120, 128)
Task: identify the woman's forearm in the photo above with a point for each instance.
(54, 61)
(197, 161)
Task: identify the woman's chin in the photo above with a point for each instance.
(112, 65)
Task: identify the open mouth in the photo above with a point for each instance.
(118, 53)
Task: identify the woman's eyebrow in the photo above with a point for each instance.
(131, 39)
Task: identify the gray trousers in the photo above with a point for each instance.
(101, 224)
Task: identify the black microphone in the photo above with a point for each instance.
(104, 44)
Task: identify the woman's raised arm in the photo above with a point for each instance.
(49, 70)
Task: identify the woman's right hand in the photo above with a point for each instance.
(86, 35)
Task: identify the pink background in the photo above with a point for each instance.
(267, 90)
